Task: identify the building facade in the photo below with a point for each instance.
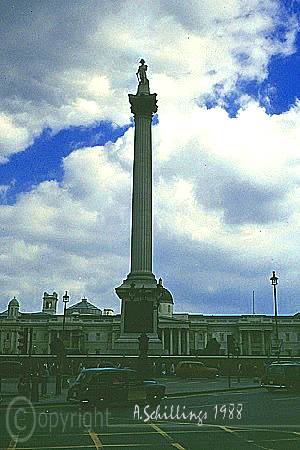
(90, 331)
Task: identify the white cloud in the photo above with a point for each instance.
(226, 190)
(61, 69)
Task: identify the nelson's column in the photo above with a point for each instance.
(140, 293)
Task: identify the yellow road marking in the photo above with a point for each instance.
(226, 429)
(95, 439)
(167, 436)
(13, 443)
(160, 431)
(176, 445)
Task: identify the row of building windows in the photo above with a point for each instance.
(201, 337)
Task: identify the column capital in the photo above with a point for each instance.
(143, 104)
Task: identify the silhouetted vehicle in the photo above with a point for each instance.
(282, 375)
(102, 386)
(195, 369)
(11, 369)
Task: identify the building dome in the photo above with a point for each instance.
(83, 307)
(13, 308)
(14, 302)
(166, 296)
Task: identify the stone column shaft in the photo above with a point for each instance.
(143, 107)
(187, 342)
(179, 342)
(171, 341)
(163, 338)
(141, 233)
(249, 344)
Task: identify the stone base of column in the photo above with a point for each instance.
(128, 344)
(140, 279)
(140, 295)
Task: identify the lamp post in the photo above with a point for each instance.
(61, 352)
(66, 299)
(274, 282)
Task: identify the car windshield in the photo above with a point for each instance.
(84, 377)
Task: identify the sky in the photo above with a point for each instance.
(226, 154)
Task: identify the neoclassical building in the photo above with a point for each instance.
(88, 330)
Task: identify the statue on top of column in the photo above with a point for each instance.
(143, 87)
(141, 73)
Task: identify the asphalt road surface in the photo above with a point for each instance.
(253, 419)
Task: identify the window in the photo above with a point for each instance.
(221, 336)
(287, 337)
(276, 370)
(97, 336)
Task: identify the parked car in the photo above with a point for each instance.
(114, 385)
(282, 375)
(11, 369)
(195, 369)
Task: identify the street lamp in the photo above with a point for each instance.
(274, 282)
(60, 350)
(66, 299)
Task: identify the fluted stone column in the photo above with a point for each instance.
(143, 107)
(140, 291)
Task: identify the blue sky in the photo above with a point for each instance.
(225, 144)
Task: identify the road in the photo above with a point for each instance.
(253, 419)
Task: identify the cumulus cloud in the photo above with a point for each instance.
(73, 234)
(226, 189)
(73, 63)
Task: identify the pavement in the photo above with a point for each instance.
(174, 388)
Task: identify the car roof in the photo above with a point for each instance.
(108, 369)
(190, 362)
(285, 364)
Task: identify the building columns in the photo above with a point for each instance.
(171, 341)
(179, 342)
(240, 343)
(187, 342)
(249, 344)
(263, 342)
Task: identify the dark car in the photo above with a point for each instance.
(114, 385)
(285, 375)
(195, 369)
(11, 369)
